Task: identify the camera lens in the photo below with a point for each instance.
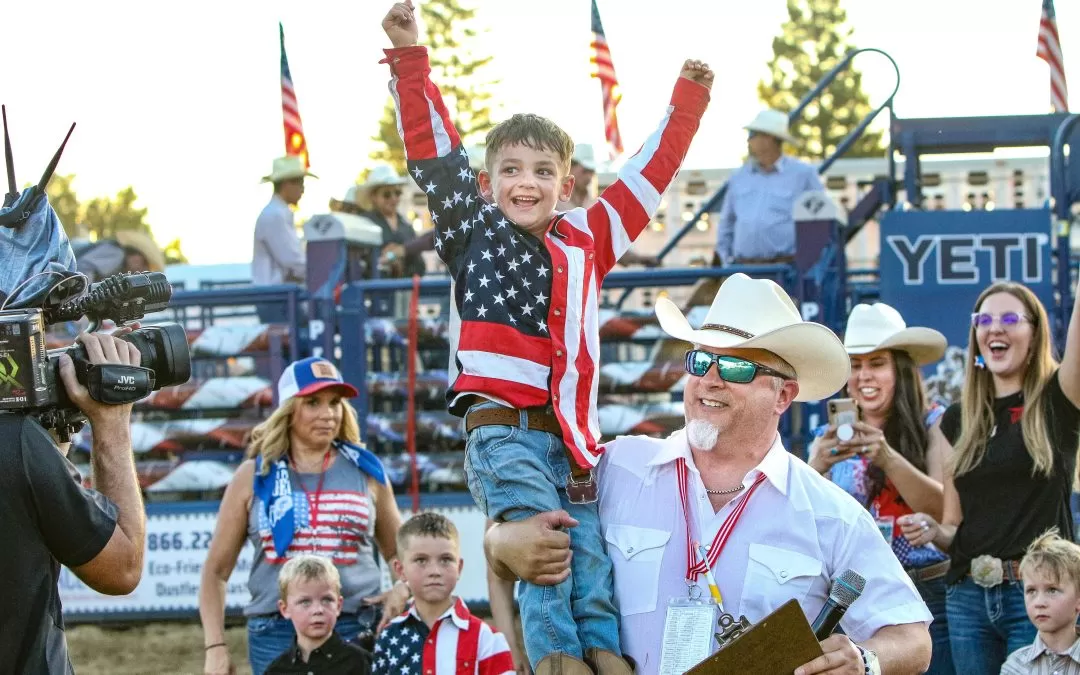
(164, 349)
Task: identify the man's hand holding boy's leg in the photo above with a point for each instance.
(693, 70)
(400, 25)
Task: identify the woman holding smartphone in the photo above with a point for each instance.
(1016, 430)
(890, 454)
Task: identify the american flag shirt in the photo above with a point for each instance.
(458, 643)
(524, 312)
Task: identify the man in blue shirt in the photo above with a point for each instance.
(756, 223)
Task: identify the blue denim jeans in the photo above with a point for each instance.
(933, 594)
(270, 636)
(515, 473)
(986, 624)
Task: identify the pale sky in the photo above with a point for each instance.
(182, 101)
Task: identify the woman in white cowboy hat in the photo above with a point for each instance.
(380, 198)
(892, 459)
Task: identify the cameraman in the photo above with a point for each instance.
(48, 519)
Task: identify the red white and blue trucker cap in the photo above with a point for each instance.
(310, 375)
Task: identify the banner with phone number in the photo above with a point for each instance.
(176, 546)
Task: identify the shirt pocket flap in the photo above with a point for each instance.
(634, 542)
(785, 564)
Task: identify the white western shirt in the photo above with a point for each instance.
(797, 534)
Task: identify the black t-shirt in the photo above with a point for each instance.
(46, 519)
(1004, 506)
(334, 657)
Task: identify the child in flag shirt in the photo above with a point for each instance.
(436, 635)
(524, 336)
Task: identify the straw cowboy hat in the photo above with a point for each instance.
(757, 314)
(380, 175)
(288, 167)
(773, 123)
(144, 244)
(880, 326)
(584, 155)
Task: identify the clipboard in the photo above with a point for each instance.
(779, 643)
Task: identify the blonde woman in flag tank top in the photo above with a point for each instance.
(309, 487)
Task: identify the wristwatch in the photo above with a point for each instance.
(870, 661)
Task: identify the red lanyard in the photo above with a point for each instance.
(314, 504)
(694, 565)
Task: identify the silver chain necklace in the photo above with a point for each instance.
(725, 492)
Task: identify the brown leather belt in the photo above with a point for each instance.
(538, 419)
(581, 488)
(779, 260)
(930, 572)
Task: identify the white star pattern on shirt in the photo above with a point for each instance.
(418, 172)
(490, 234)
(435, 218)
(465, 225)
(541, 271)
(503, 223)
(526, 283)
(543, 326)
(484, 281)
(498, 299)
(457, 197)
(468, 295)
(527, 309)
(499, 275)
(464, 174)
(486, 254)
(511, 292)
(468, 200)
(481, 311)
(447, 203)
(526, 257)
(430, 187)
(512, 265)
(540, 298)
(471, 266)
(501, 251)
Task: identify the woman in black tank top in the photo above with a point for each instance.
(1015, 434)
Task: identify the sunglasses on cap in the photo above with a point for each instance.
(387, 194)
(730, 368)
(985, 319)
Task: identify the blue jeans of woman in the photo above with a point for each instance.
(269, 636)
(986, 624)
(933, 594)
(517, 472)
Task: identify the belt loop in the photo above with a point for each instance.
(523, 419)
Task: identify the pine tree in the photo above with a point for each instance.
(450, 39)
(812, 41)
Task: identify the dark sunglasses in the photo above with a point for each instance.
(985, 319)
(387, 194)
(730, 368)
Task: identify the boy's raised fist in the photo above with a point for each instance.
(697, 71)
(400, 24)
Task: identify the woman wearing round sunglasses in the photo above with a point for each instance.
(1015, 432)
(892, 459)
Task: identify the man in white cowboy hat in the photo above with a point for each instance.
(790, 531)
(380, 197)
(756, 223)
(278, 256)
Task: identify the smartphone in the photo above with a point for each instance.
(844, 411)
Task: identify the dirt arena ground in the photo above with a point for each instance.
(172, 648)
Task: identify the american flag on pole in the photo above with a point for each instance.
(295, 142)
(1050, 51)
(609, 84)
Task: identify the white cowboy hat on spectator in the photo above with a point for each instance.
(880, 326)
(288, 167)
(757, 314)
(584, 155)
(773, 123)
(382, 174)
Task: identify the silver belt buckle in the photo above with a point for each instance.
(988, 571)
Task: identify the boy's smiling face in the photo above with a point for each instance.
(526, 183)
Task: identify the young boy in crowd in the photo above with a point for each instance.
(1051, 574)
(311, 598)
(437, 635)
(524, 341)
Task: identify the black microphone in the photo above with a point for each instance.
(845, 591)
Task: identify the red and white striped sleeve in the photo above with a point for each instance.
(627, 205)
(436, 159)
(493, 653)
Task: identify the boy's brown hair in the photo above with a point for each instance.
(1057, 558)
(426, 525)
(307, 568)
(532, 131)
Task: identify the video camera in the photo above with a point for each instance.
(30, 381)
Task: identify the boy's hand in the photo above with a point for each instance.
(400, 24)
(693, 70)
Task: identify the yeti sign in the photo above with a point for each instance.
(934, 264)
